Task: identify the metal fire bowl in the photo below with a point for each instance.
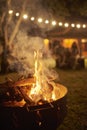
(47, 116)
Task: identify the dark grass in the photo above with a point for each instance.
(76, 83)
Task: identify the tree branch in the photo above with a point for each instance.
(17, 24)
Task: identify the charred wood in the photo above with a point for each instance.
(27, 99)
(8, 92)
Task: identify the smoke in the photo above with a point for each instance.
(21, 57)
(22, 54)
(28, 40)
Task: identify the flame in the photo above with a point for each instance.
(37, 72)
(36, 88)
(42, 88)
(53, 96)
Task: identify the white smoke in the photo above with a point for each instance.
(21, 58)
(22, 55)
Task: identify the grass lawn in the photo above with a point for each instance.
(76, 82)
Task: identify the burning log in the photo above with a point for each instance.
(25, 82)
(27, 99)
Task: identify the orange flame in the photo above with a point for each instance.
(42, 88)
(37, 86)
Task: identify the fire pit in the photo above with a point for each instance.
(20, 112)
(35, 102)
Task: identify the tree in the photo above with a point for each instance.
(7, 40)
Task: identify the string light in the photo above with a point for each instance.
(17, 14)
(40, 20)
(72, 25)
(25, 16)
(32, 18)
(10, 11)
(84, 26)
(54, 23)
(78, 25)
(60, 24)
(46, 21)
(66, 25)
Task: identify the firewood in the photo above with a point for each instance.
(9, 92)
(25, 82)
(8, 79)
(27, 99)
